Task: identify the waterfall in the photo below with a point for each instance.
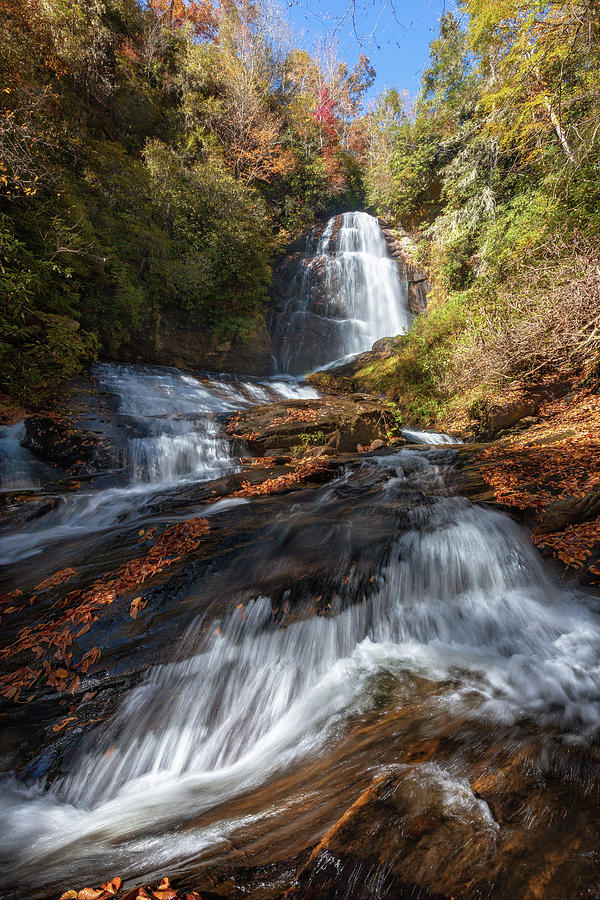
(19, 468)
(463, 599)
(347, 294)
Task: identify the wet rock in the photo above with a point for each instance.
(416, 827)
(341, 422)
(181, 340)
(402, 247)
(59, 442)
(570, 511)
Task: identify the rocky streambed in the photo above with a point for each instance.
(288, 658)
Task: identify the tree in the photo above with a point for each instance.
(540, 61)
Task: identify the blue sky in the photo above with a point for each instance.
(395, 36)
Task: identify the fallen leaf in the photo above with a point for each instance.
(113, 885)
(68, 895)
(89, 894)
(59, 727)
(13, 595)
(55, 580)
(88, 660)
(137, 604)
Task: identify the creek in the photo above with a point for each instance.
(376, 625)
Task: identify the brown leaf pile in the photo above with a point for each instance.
(282, 483)
(113, 889)
(555, 460)
(43, 650)
(573, 545)
(295, 415)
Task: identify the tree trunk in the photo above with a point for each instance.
(559, 131)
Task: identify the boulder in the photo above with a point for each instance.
(58, 441)
(341, 422)
(415, 829)
(492, 417)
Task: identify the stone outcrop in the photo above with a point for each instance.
(415, 829)
(59, 442)
(492, 418)
(318, 337)
(339, 422)
(179, 341)
(402, 248)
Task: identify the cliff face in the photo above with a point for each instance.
(401, 248)
(314, 339)
(177, 340)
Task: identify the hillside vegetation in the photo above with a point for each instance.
(494, 172)
(155, 156)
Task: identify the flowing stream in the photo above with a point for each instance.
(182, 442)
(248, 729)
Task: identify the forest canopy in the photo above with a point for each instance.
(493, 171)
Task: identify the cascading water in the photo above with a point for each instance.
(462, 601)
(182, 442)
(348, 294)
(19, 469)
(311, 630)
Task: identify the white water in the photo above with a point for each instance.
(464, 595)
(364, 296)
(428, 437)
(184, 443)
(464, 598)
(19, 468)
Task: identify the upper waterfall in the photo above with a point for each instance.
(346, 294)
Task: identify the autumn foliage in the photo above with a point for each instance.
(45, 654)
(550, 473)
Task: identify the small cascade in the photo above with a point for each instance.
(19, 468)
(181, 440)
(462, 601)
(348, 293)
(428, 437)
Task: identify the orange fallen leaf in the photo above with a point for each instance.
(13, 595)
(60, 725)
(88, 660)
(55, 580)
(112, 886)
(68, 895)
(137, 605)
